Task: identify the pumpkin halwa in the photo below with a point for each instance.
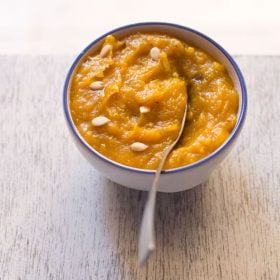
(128, 100)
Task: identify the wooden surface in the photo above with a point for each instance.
(59, 219)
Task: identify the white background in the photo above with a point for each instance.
(66, 27)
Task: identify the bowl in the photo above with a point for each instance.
(172, 180)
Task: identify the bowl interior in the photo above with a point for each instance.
(185, 34)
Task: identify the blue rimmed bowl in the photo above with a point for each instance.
(172, 180)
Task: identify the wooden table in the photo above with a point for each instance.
(59, 219)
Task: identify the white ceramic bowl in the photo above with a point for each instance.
(172, 180)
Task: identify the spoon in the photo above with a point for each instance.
(147, 233)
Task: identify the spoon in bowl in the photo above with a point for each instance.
(147, 233)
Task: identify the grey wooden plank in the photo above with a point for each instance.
(59, 219)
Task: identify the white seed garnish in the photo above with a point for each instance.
(105, 50)
(99, 121)
(155, 53)
(97, 85)
(144, 109)
(138, 147)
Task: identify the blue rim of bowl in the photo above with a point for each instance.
(233, 134)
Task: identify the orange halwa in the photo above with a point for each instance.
(135, 91)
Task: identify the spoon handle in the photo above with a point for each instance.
(147, 233)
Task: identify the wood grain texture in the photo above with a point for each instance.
(59, 219)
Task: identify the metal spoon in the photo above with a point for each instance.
(147, 233)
